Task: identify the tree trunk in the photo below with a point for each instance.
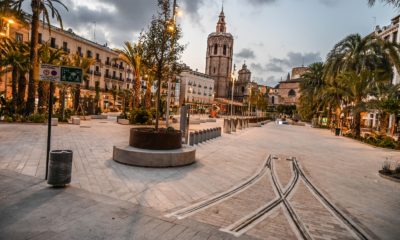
(357, 124)
(34, 71)
(21, 92)
(148, 95)
(14, 79)
(43, 95)
(77, 96)
(137, 87)
(384, 123)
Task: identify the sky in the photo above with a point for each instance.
(272, 36)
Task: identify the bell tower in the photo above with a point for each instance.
(219, 57)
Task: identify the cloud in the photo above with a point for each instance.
(246, 53)
(292, 59)
(261, 2)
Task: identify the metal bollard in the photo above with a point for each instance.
(227, 126)
(200, 137)
(233, 125)
(208, 134)
(191, 139)
(214, 132)
(196, 138)
(219, 133)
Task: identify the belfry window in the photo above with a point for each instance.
(224, 51)
(215, 49)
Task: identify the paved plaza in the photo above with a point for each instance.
(273, 182)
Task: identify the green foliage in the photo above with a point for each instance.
(170, 129)
(140, 116)
(37, 118)
(286, 109)
(378, 141)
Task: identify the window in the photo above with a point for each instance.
(214, 69)
(107, 73)
(40, 38)
(65, 46)
(127, 86)
(394, 37)
(97, 56)
(273, 100)
(80, 51)
(53, 42)
(89, 53)
(114, 74)
(120, 76)
(224, 51)
(97, 69)
(292, 93)
(215, 49)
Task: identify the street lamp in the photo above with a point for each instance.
(233, 88)
(171, 28)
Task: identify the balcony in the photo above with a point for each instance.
(121, 67)
(190, 83)
(98, 60)
(67, 50)
(108, 63)
(97, 73)
(115, 65)
(53, 45)
(108, 76)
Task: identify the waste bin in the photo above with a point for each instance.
(60, 166)
(337, 131)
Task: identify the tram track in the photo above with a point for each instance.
(185, 212)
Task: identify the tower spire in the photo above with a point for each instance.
(221, 25)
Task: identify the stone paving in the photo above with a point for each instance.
(345, 171)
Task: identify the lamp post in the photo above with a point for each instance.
(171, 28)
(233, 88)
(7, 34)
(249, 99)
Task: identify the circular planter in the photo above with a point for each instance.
(148, 138)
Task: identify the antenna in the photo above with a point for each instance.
(94, 32)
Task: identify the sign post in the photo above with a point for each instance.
(54, 74)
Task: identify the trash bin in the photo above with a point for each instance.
(60, 166)
(337, 131)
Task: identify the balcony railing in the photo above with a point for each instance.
(108, 63)
(108, 76)
(97, 73)
(115, 65)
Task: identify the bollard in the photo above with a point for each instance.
(214, 132)
(227, 126)
(219, 133)
(196, 137)
(208, 134)
(191, 139)
(233, 125)
(200, 137)
(243, 123)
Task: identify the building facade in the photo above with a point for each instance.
(288, 92)
(219, 57)
(195, 87)
(107, 70)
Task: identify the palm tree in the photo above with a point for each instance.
(84, 63)
(395, 3)
(45, 8)
(15, 53)
(47, 55)
(132, 56)
(310, 89)
(366, 60)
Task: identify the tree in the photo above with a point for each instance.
(131, 54)
(84, 63)
(395, 3)
(360, 63)
(52, 56)
(15, 53)
(162, 48)
(311, 88)
(47, 9)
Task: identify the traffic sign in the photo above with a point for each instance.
(71, 75)
(49, 73)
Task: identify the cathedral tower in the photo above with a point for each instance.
(219, 57)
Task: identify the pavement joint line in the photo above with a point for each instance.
(190, 210)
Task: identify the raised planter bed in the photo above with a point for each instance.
(148, 138)
(390, 176)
